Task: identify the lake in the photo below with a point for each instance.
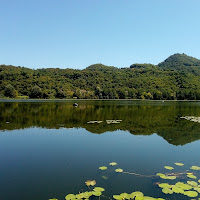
(48, 149)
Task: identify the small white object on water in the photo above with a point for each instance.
(7, 122)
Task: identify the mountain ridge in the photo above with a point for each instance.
(178, 77)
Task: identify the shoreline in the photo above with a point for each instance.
(27, 100)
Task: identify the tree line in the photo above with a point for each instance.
(98, 81)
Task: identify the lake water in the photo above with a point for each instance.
(48, 150)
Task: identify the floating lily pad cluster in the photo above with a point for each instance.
(134, 195)
(191, 118)
(190, 188)
(111, 164)
(97, 191)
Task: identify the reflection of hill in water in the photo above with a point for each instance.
(137, 119)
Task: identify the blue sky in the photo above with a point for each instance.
(78, 33)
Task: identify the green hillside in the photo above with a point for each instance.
(178, 77)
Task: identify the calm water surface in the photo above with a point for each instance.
(47, 148)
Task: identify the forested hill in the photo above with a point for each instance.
(178, 77)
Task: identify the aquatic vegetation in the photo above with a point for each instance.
(119, 170)
(195, 168)
(168, 167)
(191, 193)
(179, 164)
(103, 168)
(167, 190)
(192, 183)
(189, 188)
(100, 189)
(113, 163)
(192, 176)
(90, 183)
(163, 176)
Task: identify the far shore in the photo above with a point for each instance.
(9, 99)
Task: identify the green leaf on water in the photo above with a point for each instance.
(70, 197)
(119, 170)
(87, 195)
(160, 174)
(117, 197)
(96, 193)
(192, 176)
(113, 163)
(191, 193)
(148, 198)
(183, 186)
(53, 199)
(164, 185)
(124, 196)
(195, 168)
(168, 167)
(167, 191)
(176, 189)
(192, 183)
(100, 189)
(179, 164)
(103, 168)
(137, 194)
(197, 189)
(80, 196)
(90, 183)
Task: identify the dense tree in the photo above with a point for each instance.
(10, 91)
(178, 77)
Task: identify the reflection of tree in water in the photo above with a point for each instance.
(137, 119)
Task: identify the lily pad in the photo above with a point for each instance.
(97, 193)
(119, 170)
(70, 197)
(192, 183)
(80, 196)
(87, 195)
(113, 163)
(167, 191)
(149, 198)
(192, 176)
(164, 185)
(179, 164)
(124, 195)
(117, 197)
(90, 183)
(103, 168)
(168, 167)
(183, 186)
(191, 193)
(100, 189)
(137, 194)
(176, 189)
(195, 168)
